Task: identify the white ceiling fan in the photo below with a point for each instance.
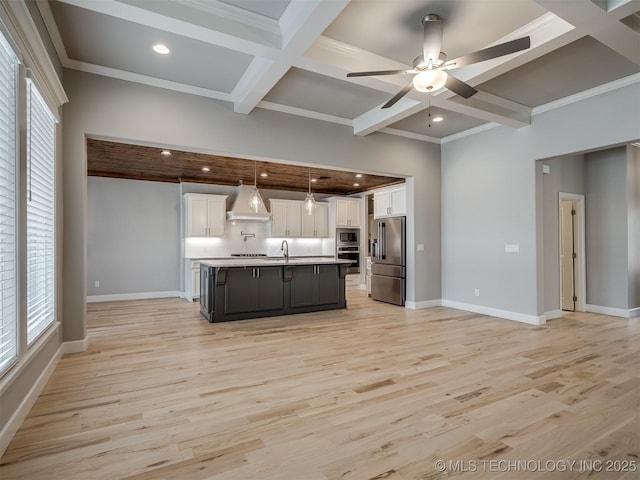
(429, 68)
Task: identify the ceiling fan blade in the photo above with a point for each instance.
(491, 52)
(398, 96)
(432, 43)
(459, 87)
(380, 72)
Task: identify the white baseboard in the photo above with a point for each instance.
(75, 346)
(495, 312)
(551, 314)
(615, 312)
(423, 304)
(131, 296)
(19, 416)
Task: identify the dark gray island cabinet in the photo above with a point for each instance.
(236, 290)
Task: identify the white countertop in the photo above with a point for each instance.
(269, 261)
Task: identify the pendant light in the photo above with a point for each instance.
(255, 200)
(309, 202)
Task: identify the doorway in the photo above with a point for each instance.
(572, 252)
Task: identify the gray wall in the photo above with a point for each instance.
(489, 198)
(567, 175)
(633, 206)
(606, 228)
(109, 108)
(132, 236)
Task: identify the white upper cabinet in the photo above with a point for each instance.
(286, 218)
(347, 212)
(316, 225)
(390, 202)
(205, 215)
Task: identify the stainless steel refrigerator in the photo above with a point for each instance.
(388, 260)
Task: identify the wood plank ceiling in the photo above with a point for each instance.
(137, 162)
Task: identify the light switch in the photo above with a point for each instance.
(546, 169)
(420, 247)
(515, 248)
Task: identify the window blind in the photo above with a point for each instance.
(8, 156)
(40, 215)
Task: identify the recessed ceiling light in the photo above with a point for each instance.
(206, 169)
(438, 119)
(314, 180)
(356, 184)
(358, 175)
(264, 174)
(166, 153)
(161, 49)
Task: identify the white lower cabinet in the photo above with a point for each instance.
(192, 280)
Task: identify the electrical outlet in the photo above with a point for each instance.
(420, 247)
(96, 284)
(477, 292)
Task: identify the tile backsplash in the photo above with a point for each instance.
(253, 237)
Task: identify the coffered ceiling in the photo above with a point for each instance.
(293, 55)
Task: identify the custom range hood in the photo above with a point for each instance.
(248, 207)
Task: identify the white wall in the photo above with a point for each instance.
(489, 196)
(114, 109)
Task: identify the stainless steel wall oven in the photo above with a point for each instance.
(348, 247)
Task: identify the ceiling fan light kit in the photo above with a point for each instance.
(429, 67)
(429, 80)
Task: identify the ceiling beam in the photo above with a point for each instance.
(301, 23)
(604, 25)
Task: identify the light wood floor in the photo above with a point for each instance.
(373, 392)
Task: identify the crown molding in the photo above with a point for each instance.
(147, 80)
(593, 92)
(305, 113)
(471, 131)
(412, 135)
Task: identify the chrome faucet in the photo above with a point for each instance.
(285, 248)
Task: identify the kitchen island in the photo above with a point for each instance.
(236, 289)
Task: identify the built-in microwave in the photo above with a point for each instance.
(347, 236)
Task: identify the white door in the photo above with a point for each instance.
(567, 254)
